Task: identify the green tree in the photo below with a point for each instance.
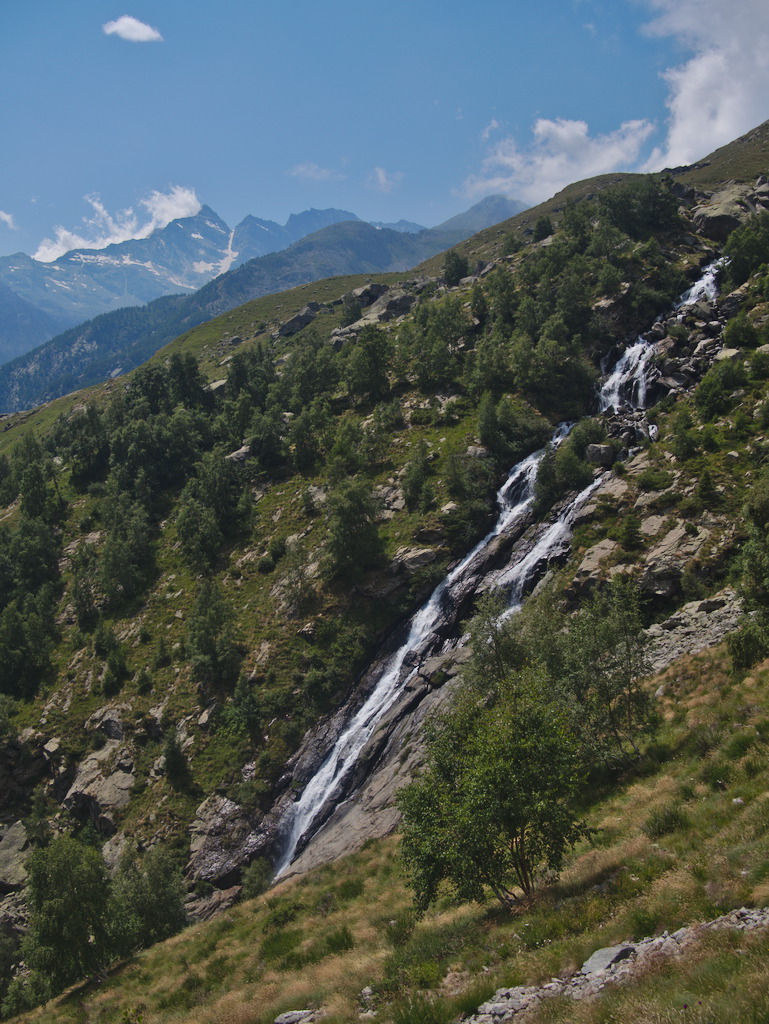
(454, 268)
(352, 543)
(748, 248)
(84, 588)
(641, 207)
(211, 644)
(604, 662)
(199, 534)
(367, 365)
(542, 229)
(415, 477)
(70, 915)
(149, 897)
(495, 803)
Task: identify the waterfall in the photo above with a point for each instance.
(514, 499)
(706, 287)
(625, 385)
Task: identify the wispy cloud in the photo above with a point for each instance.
(132, 29)
(491, 127)
(561, 151)
(382, 180)
(102, 228)
(314, 172)
(721, 91)
(7, 219)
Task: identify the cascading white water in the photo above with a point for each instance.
(513, 499)
(626, 385)
(555, 539)
(706, 287)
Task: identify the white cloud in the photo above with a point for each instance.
(132, 29)
(492, 126)
(7, 219)
(383, 180)
(722, 91)
(103, 228)
(313, 172)
(562, 151)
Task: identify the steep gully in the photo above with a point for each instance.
(397, 681)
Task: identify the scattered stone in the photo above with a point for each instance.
(609, 966)
(602, 959)
(297, 1017)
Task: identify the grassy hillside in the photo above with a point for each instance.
(681, 838)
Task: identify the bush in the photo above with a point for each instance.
(654, 479)
(256, 878)
(454, 268)
(713, 395)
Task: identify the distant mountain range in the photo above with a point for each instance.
(124, 337)
(40, 300)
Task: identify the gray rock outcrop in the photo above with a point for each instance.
(14, 850)
(223, 840)
(301, 320)
(694, 627)
(102, 785)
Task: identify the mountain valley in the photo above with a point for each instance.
(211, 564)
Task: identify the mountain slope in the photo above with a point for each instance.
(127, 337)
(489, 211)
(195, 619)
(180, 257)
(23, 325)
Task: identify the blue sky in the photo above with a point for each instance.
(118, 116)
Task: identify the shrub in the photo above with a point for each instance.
(654, 479)
(256, 878)
(713, 395)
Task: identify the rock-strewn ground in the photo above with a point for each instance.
(609, 966)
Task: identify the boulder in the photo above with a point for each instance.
(298, 322)
(297, 1017)
(240, 455)
(14, 849)
(369, 293)
(408, 560)
(602, 959)
(391, 305)
(695, 626)
(600, 454)
(106, 720)
(666, 560)
(203, 908)
(726, 210)
(589, 569)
